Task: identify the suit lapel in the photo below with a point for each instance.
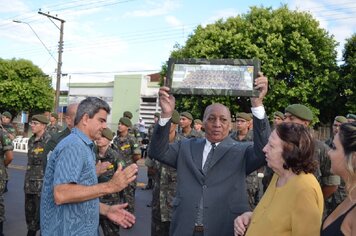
(197, 150)
(221, 149)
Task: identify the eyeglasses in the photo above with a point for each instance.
(34, 123)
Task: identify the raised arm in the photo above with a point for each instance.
(261, 128)
(159, 148)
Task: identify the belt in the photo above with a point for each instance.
(199, 228)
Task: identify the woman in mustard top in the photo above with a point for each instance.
(293, 202)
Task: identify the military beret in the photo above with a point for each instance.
(175, 117)
(198, 121)
(243, 115)
(157, 114)
(125, 121)
(41, 118)
(341, 119)
(7, 114)
(187, 115)
(55, 115)
(300, 111)
(107, 133)
(351, 116)
(279, 114)
(128, 114)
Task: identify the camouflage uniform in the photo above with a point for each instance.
(52, 143)
(252, 182)
(34, 179)
(53, 129)
(112, 156)
(193, 134)
(200, 133)
(162, 196)
(340, 194)
(10, 129)
(127, 147)
(5, 145)
(148, 162)
(323, 174)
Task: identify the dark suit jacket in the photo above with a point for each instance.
(223, 188)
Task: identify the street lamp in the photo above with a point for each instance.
(60, 50)
(22, 22)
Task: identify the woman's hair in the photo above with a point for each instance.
(347, 134)
(298, 147)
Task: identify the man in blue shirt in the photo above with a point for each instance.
(70, 192)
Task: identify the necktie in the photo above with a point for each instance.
(209, 158)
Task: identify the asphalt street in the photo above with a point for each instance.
(15, 223)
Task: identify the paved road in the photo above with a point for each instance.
(15, 223)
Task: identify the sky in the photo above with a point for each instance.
(107, 37)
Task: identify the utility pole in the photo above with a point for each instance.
(59, 62)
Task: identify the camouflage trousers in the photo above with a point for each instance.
(252, 189)
(32, 211)
(159, 228)
(2, 205)
(129, 196)
(108, 227)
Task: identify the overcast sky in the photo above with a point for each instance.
(105, 37)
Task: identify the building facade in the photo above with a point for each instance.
(137, 93)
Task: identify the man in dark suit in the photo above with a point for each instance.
(211, 171)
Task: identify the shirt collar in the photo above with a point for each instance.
(82, 136)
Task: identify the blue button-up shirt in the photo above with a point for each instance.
(72, 161)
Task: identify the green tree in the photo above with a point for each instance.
(24, 87)
(347, 83)
(297, 56)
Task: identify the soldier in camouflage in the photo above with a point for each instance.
(329, 182)
(133, 130)
(10, 131)
(340, 194)
(34, 172)
(165, 188)
(244, 134)
(104, 152)
(128, 147)
(53, 126)
(185, 124)
(56, 138)
(198, 124)
(148, 161)
(6, 124)
(6, 156)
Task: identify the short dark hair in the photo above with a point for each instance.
(90, 106)
(298, 147)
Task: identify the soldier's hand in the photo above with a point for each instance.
(101, 167)
(118, 215)
(122, 178)
(166, 102)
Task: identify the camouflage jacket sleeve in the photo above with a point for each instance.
(135, 148)
(6, 142)
(327, 178)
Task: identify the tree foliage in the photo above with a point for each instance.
(297, 56)
(347, 88)
(24, 87)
